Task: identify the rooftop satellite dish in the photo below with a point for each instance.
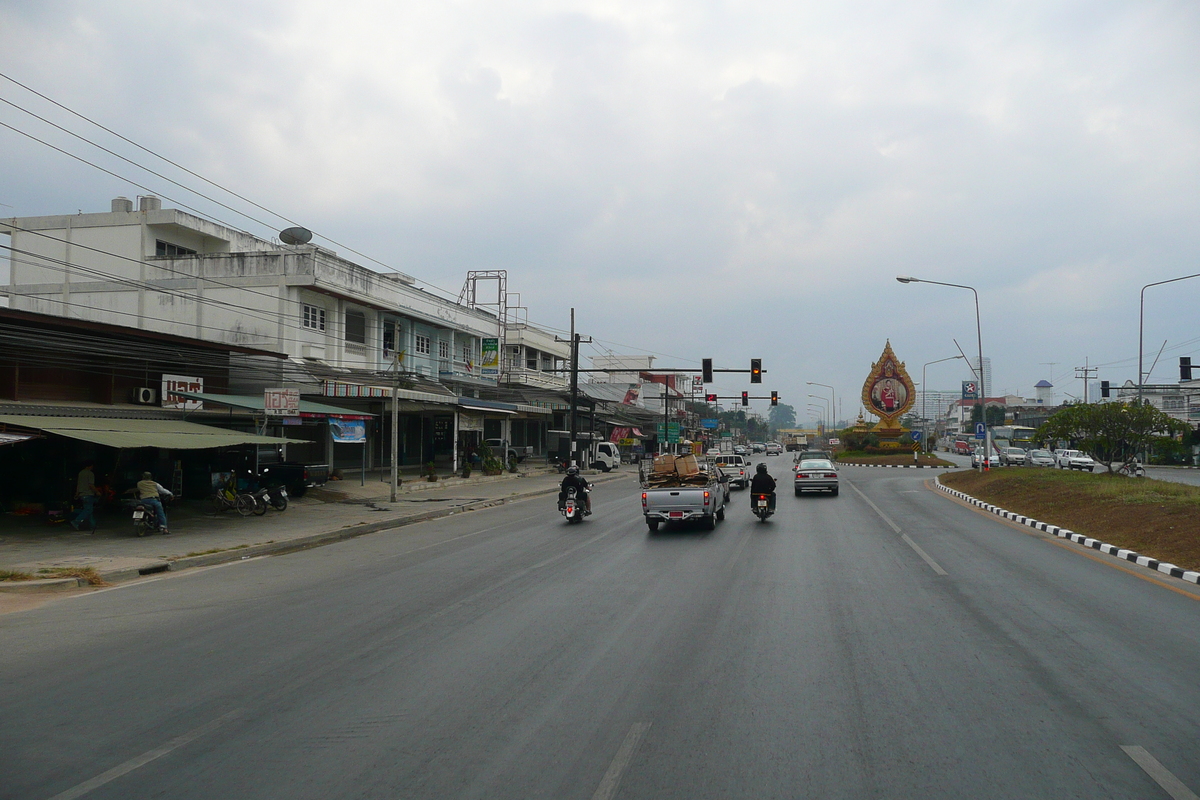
(295, 235)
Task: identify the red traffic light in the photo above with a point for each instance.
(745, 398)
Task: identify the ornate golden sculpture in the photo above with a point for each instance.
(888, 391)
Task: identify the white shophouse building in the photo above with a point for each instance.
(341, 324)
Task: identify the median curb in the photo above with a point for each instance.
(246, 552)
(899, 466)
(1078, 538)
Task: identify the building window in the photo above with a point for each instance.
(444, 350)
(356, 327)
(1173, 402)
(531, 358)
(422, 345)
(314, 317)
(168, 250)
(466, 353)
(389, 339)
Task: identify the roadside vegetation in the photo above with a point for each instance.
(88, 574)
(1156, 518)
(1113, 433)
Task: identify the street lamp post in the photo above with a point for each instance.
(987, 432)
(1141, 320)
(833, 396)
(925, 394)
(828, 408)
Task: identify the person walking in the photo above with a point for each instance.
(151, 493)
(85, 494)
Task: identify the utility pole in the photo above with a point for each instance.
(575, 341)
(1086, 373)
(395, 424)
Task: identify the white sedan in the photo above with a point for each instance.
(816, 475)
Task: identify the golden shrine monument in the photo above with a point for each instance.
(888, 393)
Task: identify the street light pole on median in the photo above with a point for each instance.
(925, 394)
(987, 432)
(833, 394)
(1141, 321)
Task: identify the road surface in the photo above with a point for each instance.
(886, 643)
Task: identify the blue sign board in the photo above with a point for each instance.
(710, 423)
(916, 436)
(980, 431)
(970, 390)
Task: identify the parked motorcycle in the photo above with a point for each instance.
(762, 506)
(573, 508)
(275, 497)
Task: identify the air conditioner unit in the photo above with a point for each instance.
(145, 395)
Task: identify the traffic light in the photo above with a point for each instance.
(745, 398)
(1185, 368)
(756, 370)
(706, 368)
(1104, 390)
(710, 398)
(774, 398)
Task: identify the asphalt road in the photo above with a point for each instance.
(887, 643)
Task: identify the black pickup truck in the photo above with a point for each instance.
(296, 477)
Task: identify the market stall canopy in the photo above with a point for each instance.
(165, 433)
(255, 403)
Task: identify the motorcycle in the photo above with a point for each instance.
(274, 496)
(574, 509)
(762, 506)
(145, 521)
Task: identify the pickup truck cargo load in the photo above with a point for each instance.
(676, 489)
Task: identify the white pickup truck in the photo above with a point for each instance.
(514, 452)
(702, 501)
(737, 469)
(1074, 459)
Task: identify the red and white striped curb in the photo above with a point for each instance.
(1063, 533)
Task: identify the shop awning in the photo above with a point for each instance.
(165, 433)
(255, 403)
(13, 438)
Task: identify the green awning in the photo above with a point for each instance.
(165, 433)
(255, 403)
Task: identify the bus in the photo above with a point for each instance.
(1013, 436)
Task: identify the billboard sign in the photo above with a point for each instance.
(281, 402)
(490, 363)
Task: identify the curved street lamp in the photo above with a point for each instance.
(833, 394)
(987, 444)
(1141, 319)
(925, 394)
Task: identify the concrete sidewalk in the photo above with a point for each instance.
(337, 511)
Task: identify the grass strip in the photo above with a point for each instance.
(1156, 518)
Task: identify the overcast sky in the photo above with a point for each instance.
(696, 178)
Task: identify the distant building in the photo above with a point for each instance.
(987, 372)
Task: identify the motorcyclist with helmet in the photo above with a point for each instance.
(762, 483)
(577, 482)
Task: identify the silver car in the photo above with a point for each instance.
(1040, 458)
(816, 475)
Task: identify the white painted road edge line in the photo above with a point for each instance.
(1063, 533)
(925, 556)
(1161, 775)
(882, 515)
(145, 758)
(616, 770)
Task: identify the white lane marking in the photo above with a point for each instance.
(1161, 775)
(144, 758)
(882, 515)
(925, 556)
(612, 778)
